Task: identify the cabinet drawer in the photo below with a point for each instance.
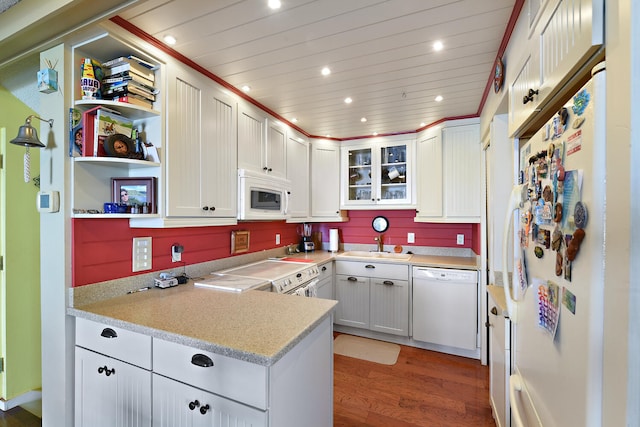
(373, 269)
(236, 379)
(325, 270)
(118, 343)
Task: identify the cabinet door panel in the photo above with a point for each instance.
(251, 137)
(429, 182)
(276, 148)
(180, 405)
(298, 174)
(353, 301)
(462, 170)
(390, 306)
(325, 180)
(120, 399)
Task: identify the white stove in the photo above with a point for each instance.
(285, 276)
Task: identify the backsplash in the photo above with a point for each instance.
(102, 247)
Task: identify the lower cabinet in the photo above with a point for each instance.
(325, 281)
(191, 387)
(110, 392)
(373, 296)
(180, 405)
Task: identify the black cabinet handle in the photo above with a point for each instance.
(324, 268)
(529, 97)
(494, 311)
(204, 409)
(106, 370)
(352, 279)
(108, 333)
(202, 360)
(193, 405)
(265, 168)
(205, 208)
(388, 282)
(369, 266)
(270, 170)
(212, 208)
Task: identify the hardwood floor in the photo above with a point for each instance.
(18, 417)
(423, 388)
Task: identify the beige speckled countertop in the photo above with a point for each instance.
(258, 327)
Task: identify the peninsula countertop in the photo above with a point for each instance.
(258, 327)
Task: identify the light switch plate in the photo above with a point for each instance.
(142, 255)
(411, 237)
(460, 239)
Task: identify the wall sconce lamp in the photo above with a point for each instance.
(28, 137)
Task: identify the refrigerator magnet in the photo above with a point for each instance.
(569, 300)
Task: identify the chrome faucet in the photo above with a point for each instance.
(379, 239)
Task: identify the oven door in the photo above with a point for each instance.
(261, 197)
(309, 289)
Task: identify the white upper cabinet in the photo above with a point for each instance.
(566, 39)
(377, 173)
(261, 141)
(449, 174)
(201, 148)
(325, 181)
(298, 174)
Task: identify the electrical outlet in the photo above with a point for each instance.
(176, 253)
(277, 239)
(460, 239)
(142, 255)
(411, 237)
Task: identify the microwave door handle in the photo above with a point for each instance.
(286, 202)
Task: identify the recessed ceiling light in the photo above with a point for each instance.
(326, 71)
(274, 4)
(168, 39)
(438, 46)
(348, 100)
(375, 134)
(246, 88)
(423, 124)
(328, 135)
(439, 98)
(294, 120)
(364, 119)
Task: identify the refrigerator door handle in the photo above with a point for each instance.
(516, 200)
(515, 386)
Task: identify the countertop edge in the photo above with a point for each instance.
(200, 344)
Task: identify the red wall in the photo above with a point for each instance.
(102, 248)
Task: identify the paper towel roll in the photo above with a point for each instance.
(333, 240)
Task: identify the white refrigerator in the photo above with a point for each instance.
(555, 299)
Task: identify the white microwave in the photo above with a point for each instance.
(261, 197)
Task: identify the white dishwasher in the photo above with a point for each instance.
(445, 307)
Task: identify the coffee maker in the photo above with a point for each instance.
(306, 242)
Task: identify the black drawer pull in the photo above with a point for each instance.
(324, 268)
(388, 282)
(369, 266)
(202, 360)
(108, 333)
(204, 409)
(106, 370)
(494, 311)
(193, 405)
(352, 279)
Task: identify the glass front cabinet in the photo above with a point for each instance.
(377, 174)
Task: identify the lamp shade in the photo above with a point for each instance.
(27, 137)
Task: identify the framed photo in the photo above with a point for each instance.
(138, 194)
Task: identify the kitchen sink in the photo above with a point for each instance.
(376, 255)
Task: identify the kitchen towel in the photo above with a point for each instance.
(333, 240)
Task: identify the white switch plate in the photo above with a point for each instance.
(277, 239)
(411, 237)
(142, 255)
(176, 256)
(460, 239)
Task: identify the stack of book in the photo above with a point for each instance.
(129, 79)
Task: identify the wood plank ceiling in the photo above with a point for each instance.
(380, 54)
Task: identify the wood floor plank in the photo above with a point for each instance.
(423, 388)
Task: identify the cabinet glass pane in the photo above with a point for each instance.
(360, 174)
(393, 170)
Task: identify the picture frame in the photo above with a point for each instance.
(239, 241)
(137, 194)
